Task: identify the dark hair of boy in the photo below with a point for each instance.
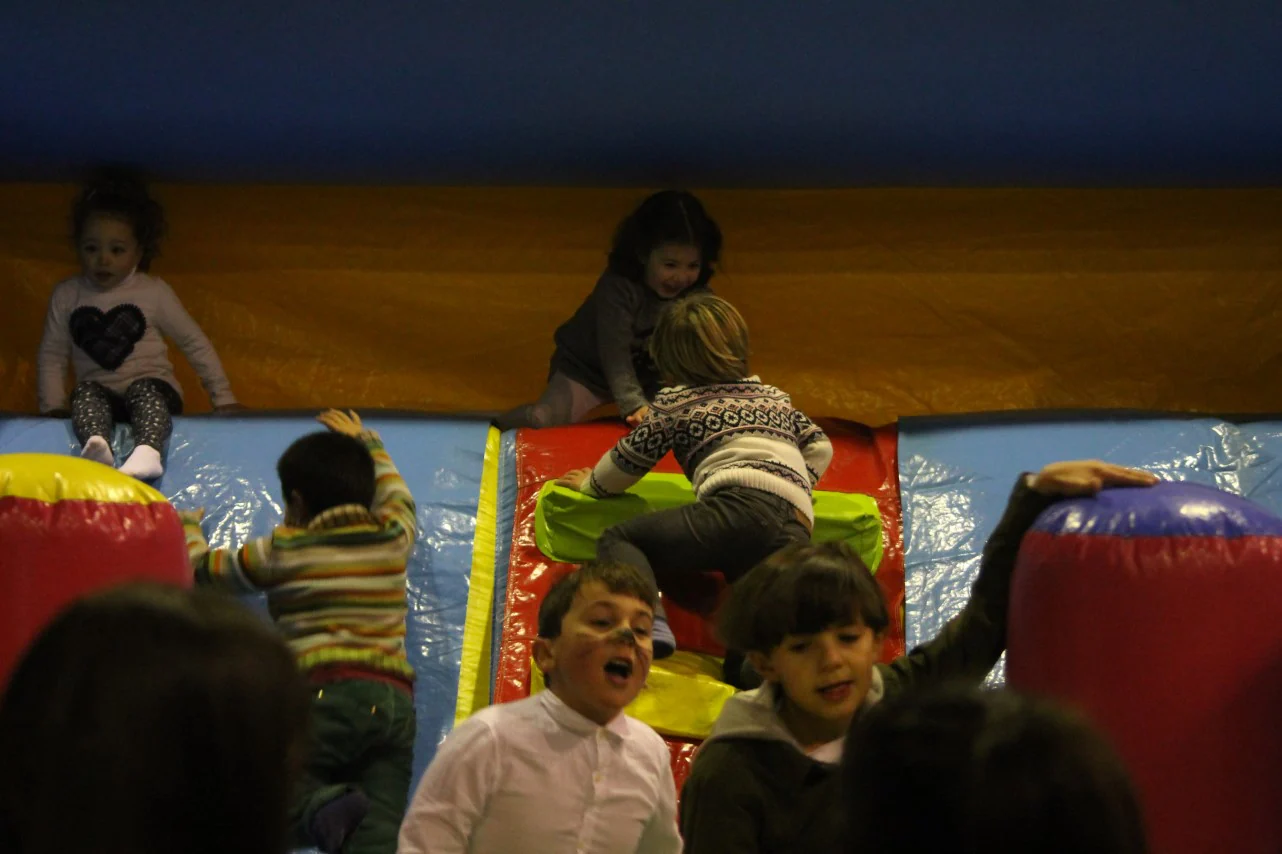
(1000, 774)
(615, 577)
(801, 589)
(327, 470)
(119, 193)
(148, 719)
(668, 216)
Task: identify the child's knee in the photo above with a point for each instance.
(611, 537)
(144, 387)
(87, 389)
(542, 415)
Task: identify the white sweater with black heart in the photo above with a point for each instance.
(115, 336)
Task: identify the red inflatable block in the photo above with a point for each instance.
(1158, 612)
(69, 527)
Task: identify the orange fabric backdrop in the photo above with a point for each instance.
(865, 304)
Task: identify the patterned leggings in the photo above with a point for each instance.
(564, 401)
(147, 404)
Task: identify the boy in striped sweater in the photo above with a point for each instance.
(334, 575)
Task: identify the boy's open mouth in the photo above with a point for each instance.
(837, 691)
(618, 670)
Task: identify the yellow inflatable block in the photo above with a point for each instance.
(58, 477)
(683, 695)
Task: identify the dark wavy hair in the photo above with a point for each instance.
(801, 589)
(121, 194)
(149, 719)
(668, 216)
(985, 772)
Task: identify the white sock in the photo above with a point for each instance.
(98, 450)
(144, 463)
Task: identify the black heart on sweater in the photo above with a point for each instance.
(108, 337)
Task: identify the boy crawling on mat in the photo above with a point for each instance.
(564, 770)
(811, 619)
(334, 575)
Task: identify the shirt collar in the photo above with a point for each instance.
(342, 516)
(575, 722)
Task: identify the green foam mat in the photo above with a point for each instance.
(567, 523)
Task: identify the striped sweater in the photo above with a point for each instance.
(336, 588)
(745, 433)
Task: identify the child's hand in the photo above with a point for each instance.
(348, 423)
(191, 517)
(574, 479)
(638, 416)
(1086, 477)
(230, 407)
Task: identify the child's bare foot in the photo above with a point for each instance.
(98, 450)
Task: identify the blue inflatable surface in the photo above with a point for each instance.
(955, 476)
(228, 466)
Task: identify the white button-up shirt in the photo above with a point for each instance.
(536, 777)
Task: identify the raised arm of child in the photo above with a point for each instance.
(971, 643)
(175, 323)
(393, 503)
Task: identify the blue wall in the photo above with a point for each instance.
(610, 92)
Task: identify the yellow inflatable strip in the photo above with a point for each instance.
(57, 477)
(683, 694)
(474, 669)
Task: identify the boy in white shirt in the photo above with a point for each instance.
(565, 770)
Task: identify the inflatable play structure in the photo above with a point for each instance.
(69, 527)
(1065, 219)
(918, 501)
(1155, 611)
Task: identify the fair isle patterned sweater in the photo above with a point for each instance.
(729, 434)
(337, 587)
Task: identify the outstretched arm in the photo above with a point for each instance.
(626, 463)
(244, 570)
(970, 644)
(815, 447)
(616, 309)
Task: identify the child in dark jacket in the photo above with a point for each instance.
(667, 247)
(811, 619)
